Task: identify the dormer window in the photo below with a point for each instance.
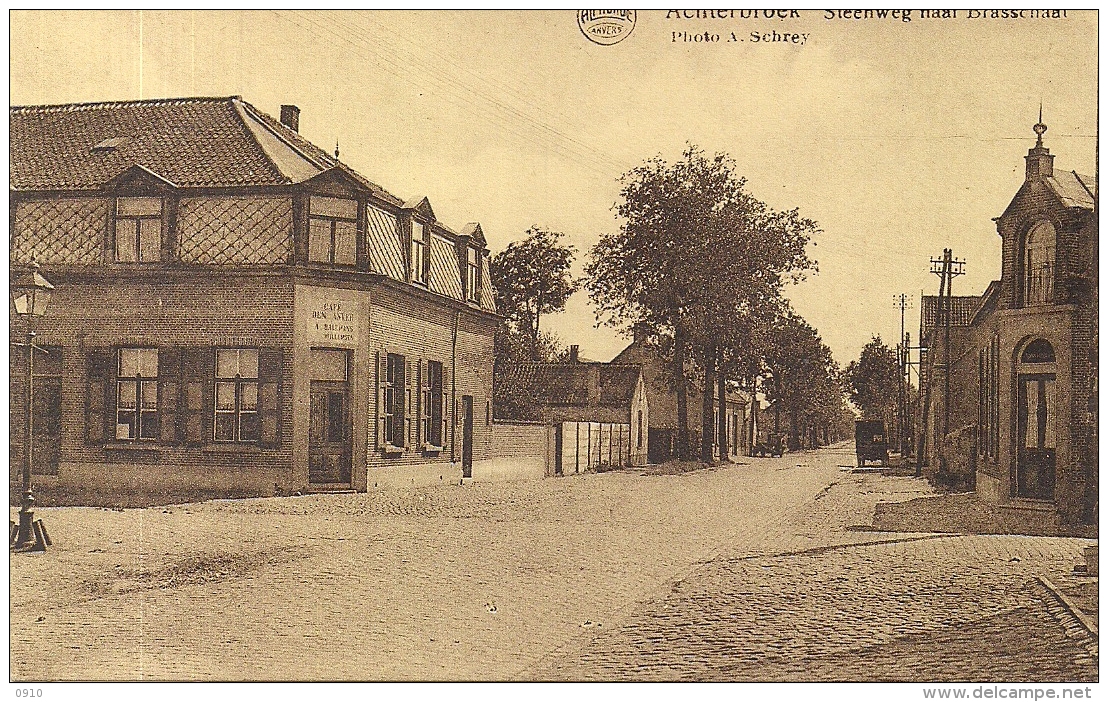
(332, 230)
(418, 260)
(138, 229)
(473, 274)
(1038, 264)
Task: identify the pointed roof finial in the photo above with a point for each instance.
(1039, 128)
(336, 148)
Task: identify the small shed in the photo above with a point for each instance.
(598, 410)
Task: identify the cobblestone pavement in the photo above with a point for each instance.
(735, 573)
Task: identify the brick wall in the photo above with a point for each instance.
(194, 310)
(518, 439)
(422, 327)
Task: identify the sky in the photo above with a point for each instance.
(899, 138)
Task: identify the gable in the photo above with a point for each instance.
(139, 177)
(422, 206)
(473, 231)
(1052, 196)
(335, 182)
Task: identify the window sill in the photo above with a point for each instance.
(334, 264)
(146, 446)
(132, 453)
(390, 450)
(432, 449)
(232, 448)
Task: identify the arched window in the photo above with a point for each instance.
(1038, 264)
(1038, 351)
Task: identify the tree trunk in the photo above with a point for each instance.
(777, 406)
(753, 416)
(681, 387)
(707, 418)
(794, 431)
(721, 386)
(535, 338)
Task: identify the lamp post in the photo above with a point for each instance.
(30, 296)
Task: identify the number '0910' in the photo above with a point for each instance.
(28, 692)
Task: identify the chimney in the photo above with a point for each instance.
(642, 332)
(1040, 162)
(573, 353)
(290, 117)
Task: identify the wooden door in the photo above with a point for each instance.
(47, 414)
(467, 436)
(329, 434)
(1035, 437)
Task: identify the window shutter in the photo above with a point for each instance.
(445, 401)
(421, 379)
(269, 396)
(409, 391)
(382, 384)
(100, 374)
(169, 374)
(198, 372)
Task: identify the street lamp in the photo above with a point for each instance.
(30, 296)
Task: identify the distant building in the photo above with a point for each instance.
(663, 405)
(1023, 356)
(599, 411)
(237, 310)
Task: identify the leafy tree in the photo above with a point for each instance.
(874, 380)
(696, 257)
(532, 278)
(803, 379)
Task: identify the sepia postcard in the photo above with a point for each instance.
(746, 346)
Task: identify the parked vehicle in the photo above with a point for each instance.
(870, 442)
(774, 445)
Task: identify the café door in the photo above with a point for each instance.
(329, 429)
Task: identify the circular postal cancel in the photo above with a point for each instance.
(606, 27)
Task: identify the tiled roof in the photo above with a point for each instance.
(1073, 189)
(617, 383)
(205, 142)
(568, 383)
(190, 142)
(962, 309)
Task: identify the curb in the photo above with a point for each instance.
(1070, 606)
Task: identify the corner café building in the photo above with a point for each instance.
(237, 312)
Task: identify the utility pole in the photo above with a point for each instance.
(947, 268)
(903, 302)
(906, 395)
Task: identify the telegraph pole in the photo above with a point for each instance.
(903, 302)
(947, 268)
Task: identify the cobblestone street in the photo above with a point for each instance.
(749, 572)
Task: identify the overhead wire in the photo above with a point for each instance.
(498, 114)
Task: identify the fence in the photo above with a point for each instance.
(582, 446)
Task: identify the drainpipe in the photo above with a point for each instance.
(454, 388)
